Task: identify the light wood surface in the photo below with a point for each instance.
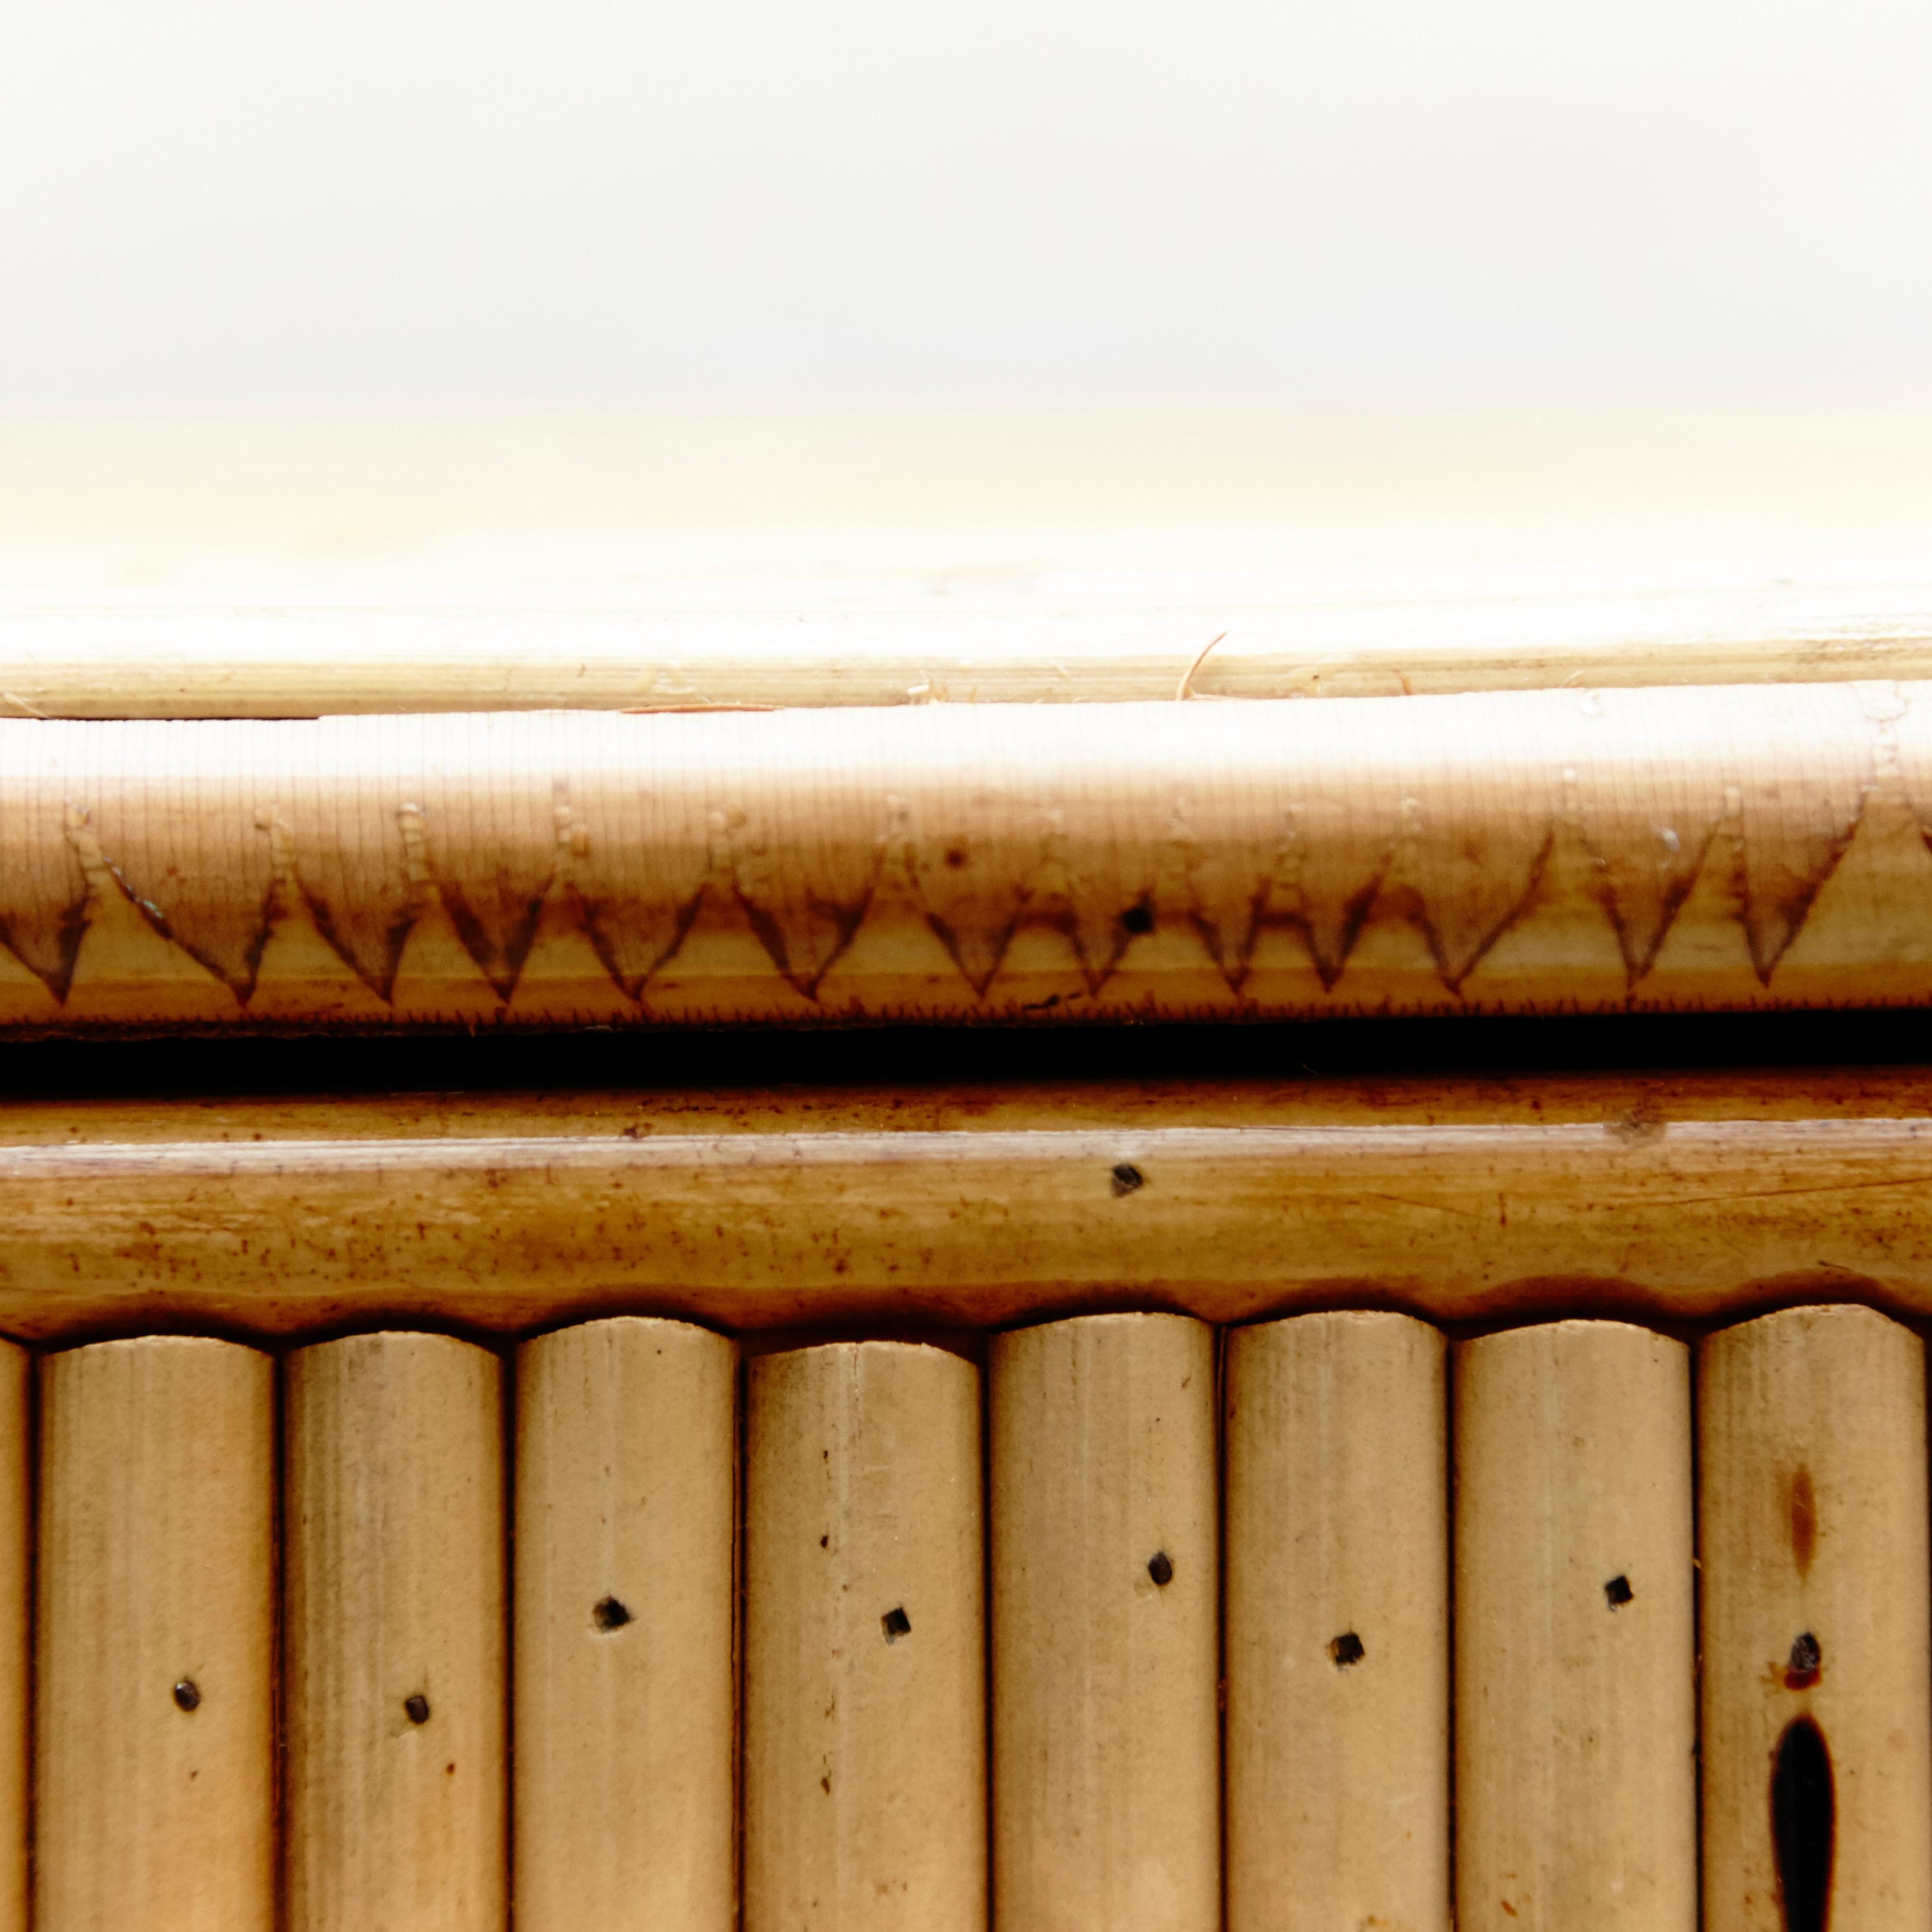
(1681, 1197)
(1527, 851)
(1812, 1529)
(16, 1662)
(1105, 1589)
(1336, 1645)
(395, 1664)
(155, 1752)
(1576, 1717)
(865, 1774)
(625, 1782)
(240, 567)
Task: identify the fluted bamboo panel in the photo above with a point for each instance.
(1738, 847)
(1682, 1198)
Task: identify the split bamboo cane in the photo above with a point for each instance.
(1106, 1777)
(1744, 847)
(626, 1463)
(1336, 1652)
(1576, 1717)
(864, 1642)
(1817, 1761)
(394, 1638)
(155, 1762)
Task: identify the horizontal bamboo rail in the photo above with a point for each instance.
(1468, 1202)
(1741, 847)
(1212, 634)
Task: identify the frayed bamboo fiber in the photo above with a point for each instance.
(1681, 1199)
(1740, 847)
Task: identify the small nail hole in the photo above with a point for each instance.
(1127, 1177)
(1807, 1664)
(188, 1695)
(1346, 1649)
(1617, 1592)
(895, 1624)
(415, 1708)
(609, 1615)
(1160, 1568)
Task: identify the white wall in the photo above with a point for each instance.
(241, 202)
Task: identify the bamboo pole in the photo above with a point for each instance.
(154, 1761)
(1817, 1732)
(1518, 851)
(1576, 1724)
(1106, 1772)
(16, 1671)
(626, 1469)
(394, 1642)
(1684, 1198)
(865, 1641)
(1337, 1645)
(1202, 628)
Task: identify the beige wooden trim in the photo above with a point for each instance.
(625, 1787)
(395, 1676)
(1681, 1199)
(1527, 851)
(16, 1662)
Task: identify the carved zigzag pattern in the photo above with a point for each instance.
(1223, 821)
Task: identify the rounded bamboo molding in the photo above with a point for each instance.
(1519, 851)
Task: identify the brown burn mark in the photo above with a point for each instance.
(1801, 1513)
(1803, 1825)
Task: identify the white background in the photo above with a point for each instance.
(242, 203)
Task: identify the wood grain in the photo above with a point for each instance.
(1679, 1198)
(394, 1677)
(1335, 1632)
(1104, 1585)
(1765, 845)
(864, 1772)
(155, 1757)
(1575, 1649)
(1812, 1528)
(626, 1783)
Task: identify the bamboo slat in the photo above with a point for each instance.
(1105, 1568)
(626, 1463)
(1681, 1199)
(1533, 851)
(1335, 1644)
(1817, 1762)
(155, 1758)
(395, 1650)
(864, 1642)
(16, 1573)
(1575, 1649)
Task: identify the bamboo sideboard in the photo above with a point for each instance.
(914, 1504)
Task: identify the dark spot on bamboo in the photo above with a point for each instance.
(1804, 1519)
(449, 1770)
(415, 1708)
(895, 1624)
(825, 1541)
(609, 1614)
(1807, 1663)
(1346, 1649)
(955, 857)
(1127, 1177)
(1803, 1826)
(1137, 919)
(1160, 1568)
(1617, 1592)
(188, 1695)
